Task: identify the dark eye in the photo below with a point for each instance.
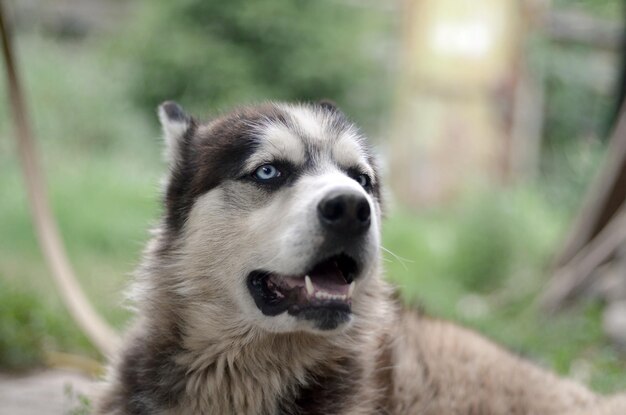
(363, 179)
(266, 173)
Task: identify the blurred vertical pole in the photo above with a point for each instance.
(454, 103)
(96, 329)
(620, 97)
(528, 97)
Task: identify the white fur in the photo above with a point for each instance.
(279, 143)
(348, 152)
(312, 123)
(173, 131)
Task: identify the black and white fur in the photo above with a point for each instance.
(203, 343)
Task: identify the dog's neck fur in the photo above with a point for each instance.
(226, 365)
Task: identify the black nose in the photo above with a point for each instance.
(344, 211)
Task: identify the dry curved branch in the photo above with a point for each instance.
(96, 329)
(575, 276)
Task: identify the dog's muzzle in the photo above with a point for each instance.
(323, 292)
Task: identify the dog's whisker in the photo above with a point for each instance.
(401, 260)
(396, 255)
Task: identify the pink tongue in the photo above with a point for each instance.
(329, 278)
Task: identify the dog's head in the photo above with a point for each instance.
(273, 209)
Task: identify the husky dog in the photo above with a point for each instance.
(261, 291)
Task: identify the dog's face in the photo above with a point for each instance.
(274, 210)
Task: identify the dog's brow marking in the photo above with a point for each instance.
(278, 142)
(347, 152)
(310, 122)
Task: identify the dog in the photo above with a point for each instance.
(261, 291)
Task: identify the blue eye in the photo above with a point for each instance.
(267, 172)
(363, 179)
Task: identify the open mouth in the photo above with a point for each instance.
(323, 292)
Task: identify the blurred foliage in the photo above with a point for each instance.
(580, 101)
(21, 327)
(28, 326)
(478, 263)
(212, 54)
(462, 250)
(604, 8)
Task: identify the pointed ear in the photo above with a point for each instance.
(175, 123)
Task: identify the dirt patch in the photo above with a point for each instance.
(54, 392)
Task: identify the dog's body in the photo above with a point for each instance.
(261, 292)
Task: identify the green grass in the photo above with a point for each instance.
(481, 262)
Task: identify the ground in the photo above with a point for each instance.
(51, 392)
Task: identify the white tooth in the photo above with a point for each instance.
(309, 285)
(351, 289)
(318, 294)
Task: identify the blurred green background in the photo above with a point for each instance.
(93, 85)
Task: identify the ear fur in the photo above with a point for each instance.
(175, 123)
(328, 105)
